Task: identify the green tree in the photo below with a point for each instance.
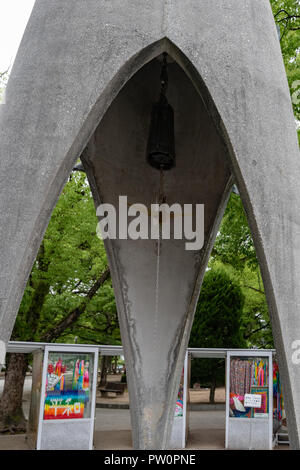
(68, 294)
(217, 324)
(287, 17)
(234, 251)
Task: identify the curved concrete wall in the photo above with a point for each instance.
(74, 59)
(155, 323)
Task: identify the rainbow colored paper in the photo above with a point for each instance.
(64, 404)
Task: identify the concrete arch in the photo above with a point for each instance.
(155, 336)
(73, 62)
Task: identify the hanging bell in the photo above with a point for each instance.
(161, 141)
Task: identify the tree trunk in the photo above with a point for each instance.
(56, 330)
(12, 419)
(105, 363)
(11, 413)
(212, 391)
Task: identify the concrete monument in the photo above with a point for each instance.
(83, 84)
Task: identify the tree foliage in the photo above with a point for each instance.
(287, 18)
(70, 267)
(234, 251)
(217, 324)
(69, 295)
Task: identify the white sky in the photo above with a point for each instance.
(14, 15)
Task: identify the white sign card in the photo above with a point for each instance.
(252, 401)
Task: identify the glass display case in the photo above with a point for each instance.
(249, 400)
(249, 376)
(67, 404)
(68, 379)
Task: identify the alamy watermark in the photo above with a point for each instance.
(2, 353)
(296, 353)
(159, 221)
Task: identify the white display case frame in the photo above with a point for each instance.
(179, 430)
(238, 425)
(90, 422)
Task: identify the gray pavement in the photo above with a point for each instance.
(113, 428)
(109, 419)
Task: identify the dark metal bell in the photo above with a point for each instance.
(161, 141)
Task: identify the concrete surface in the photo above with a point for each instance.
(75, 59)
(196, 398)
(207, 430)
(113, 428)
(113, 431)
(154, 322)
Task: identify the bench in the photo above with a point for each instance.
(116, 388)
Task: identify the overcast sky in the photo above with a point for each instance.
(14, 15)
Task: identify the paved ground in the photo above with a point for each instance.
(110, 419)
(207, 429)
(113, 428)
(196, 396)
(112, 431)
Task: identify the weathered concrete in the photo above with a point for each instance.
(115, 162)
(74, 59)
